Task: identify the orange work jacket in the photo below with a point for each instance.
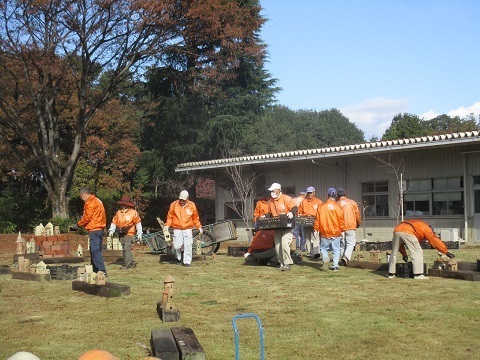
(422, 231)
(183, 217)
(127, 218)
(309, 207)
(261, 208)
(281, 205)
(94, 216)
(351, 213)
(329, 221)
(263, 240)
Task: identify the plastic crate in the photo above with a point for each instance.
(276, 222)
(305, 221)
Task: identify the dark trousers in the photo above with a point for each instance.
(96, 257)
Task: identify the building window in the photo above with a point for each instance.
(426, 197)
(375, 198)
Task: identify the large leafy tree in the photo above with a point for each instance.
(54, 53)
(407, 126)
(196, 117)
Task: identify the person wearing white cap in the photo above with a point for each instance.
(309, 207)
(183, 217)
(282, 204)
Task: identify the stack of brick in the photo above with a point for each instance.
(53, 246)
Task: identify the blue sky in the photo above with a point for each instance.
(373, 59)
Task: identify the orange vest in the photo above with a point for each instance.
(281, 205)
(263, 240)
(309, 207)
(329, 221)
(94, 216)
(260, 209)
(422, 231)
(352, 215)
(127, 218)
(183, 217)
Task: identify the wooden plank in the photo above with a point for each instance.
(108, 290)
(163, 345)
(65, 260)
(167, 315)
(460, 274)
(368, 265)
(30, 276)
(188, 344)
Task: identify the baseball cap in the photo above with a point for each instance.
(183, 195)
(303, 191)
(341, 191)
(275, 186)
(331, 192)
(310, 189)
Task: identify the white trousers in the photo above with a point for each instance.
(347, 244)
(183, 238)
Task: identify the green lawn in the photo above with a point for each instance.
(307, 313)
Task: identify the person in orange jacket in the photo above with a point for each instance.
(126, 221)
(183, 217)
(329, 225)
(282, 204)
(261, 207)
(409, 233)
(262, 247)
(309, 207)
(94, 220)
(353, 220)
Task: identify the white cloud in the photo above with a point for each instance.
(374, 116)
(462, 112)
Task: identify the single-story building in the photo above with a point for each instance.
(435, 178)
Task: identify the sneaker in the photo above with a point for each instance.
(186, 265)
(179, 262)
(420, 277)
(285, 268)
(316, 256)
(391, 276)
(334, 268)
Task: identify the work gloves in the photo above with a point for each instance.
(246, 255)
(290, 215)
(450, 254)
(405, 258)
(200, 230)
(139, 237)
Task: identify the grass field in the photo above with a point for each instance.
(307, 313)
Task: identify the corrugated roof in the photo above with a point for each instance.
(337, 151)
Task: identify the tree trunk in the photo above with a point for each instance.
(59, 201)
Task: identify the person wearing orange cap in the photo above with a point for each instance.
(183, 217)
(94, 220)
(409, 233)
(126, 222)
(281, 204)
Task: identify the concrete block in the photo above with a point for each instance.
(107, 290)
(167, 315)
(163, 345)
(188, 344)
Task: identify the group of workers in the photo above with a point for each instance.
(182, 217)
(335, 222)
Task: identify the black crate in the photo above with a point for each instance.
(305, 221)
(237, 250)
(276, 222)
(425, 245)
(384, 245)
(405, 270)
